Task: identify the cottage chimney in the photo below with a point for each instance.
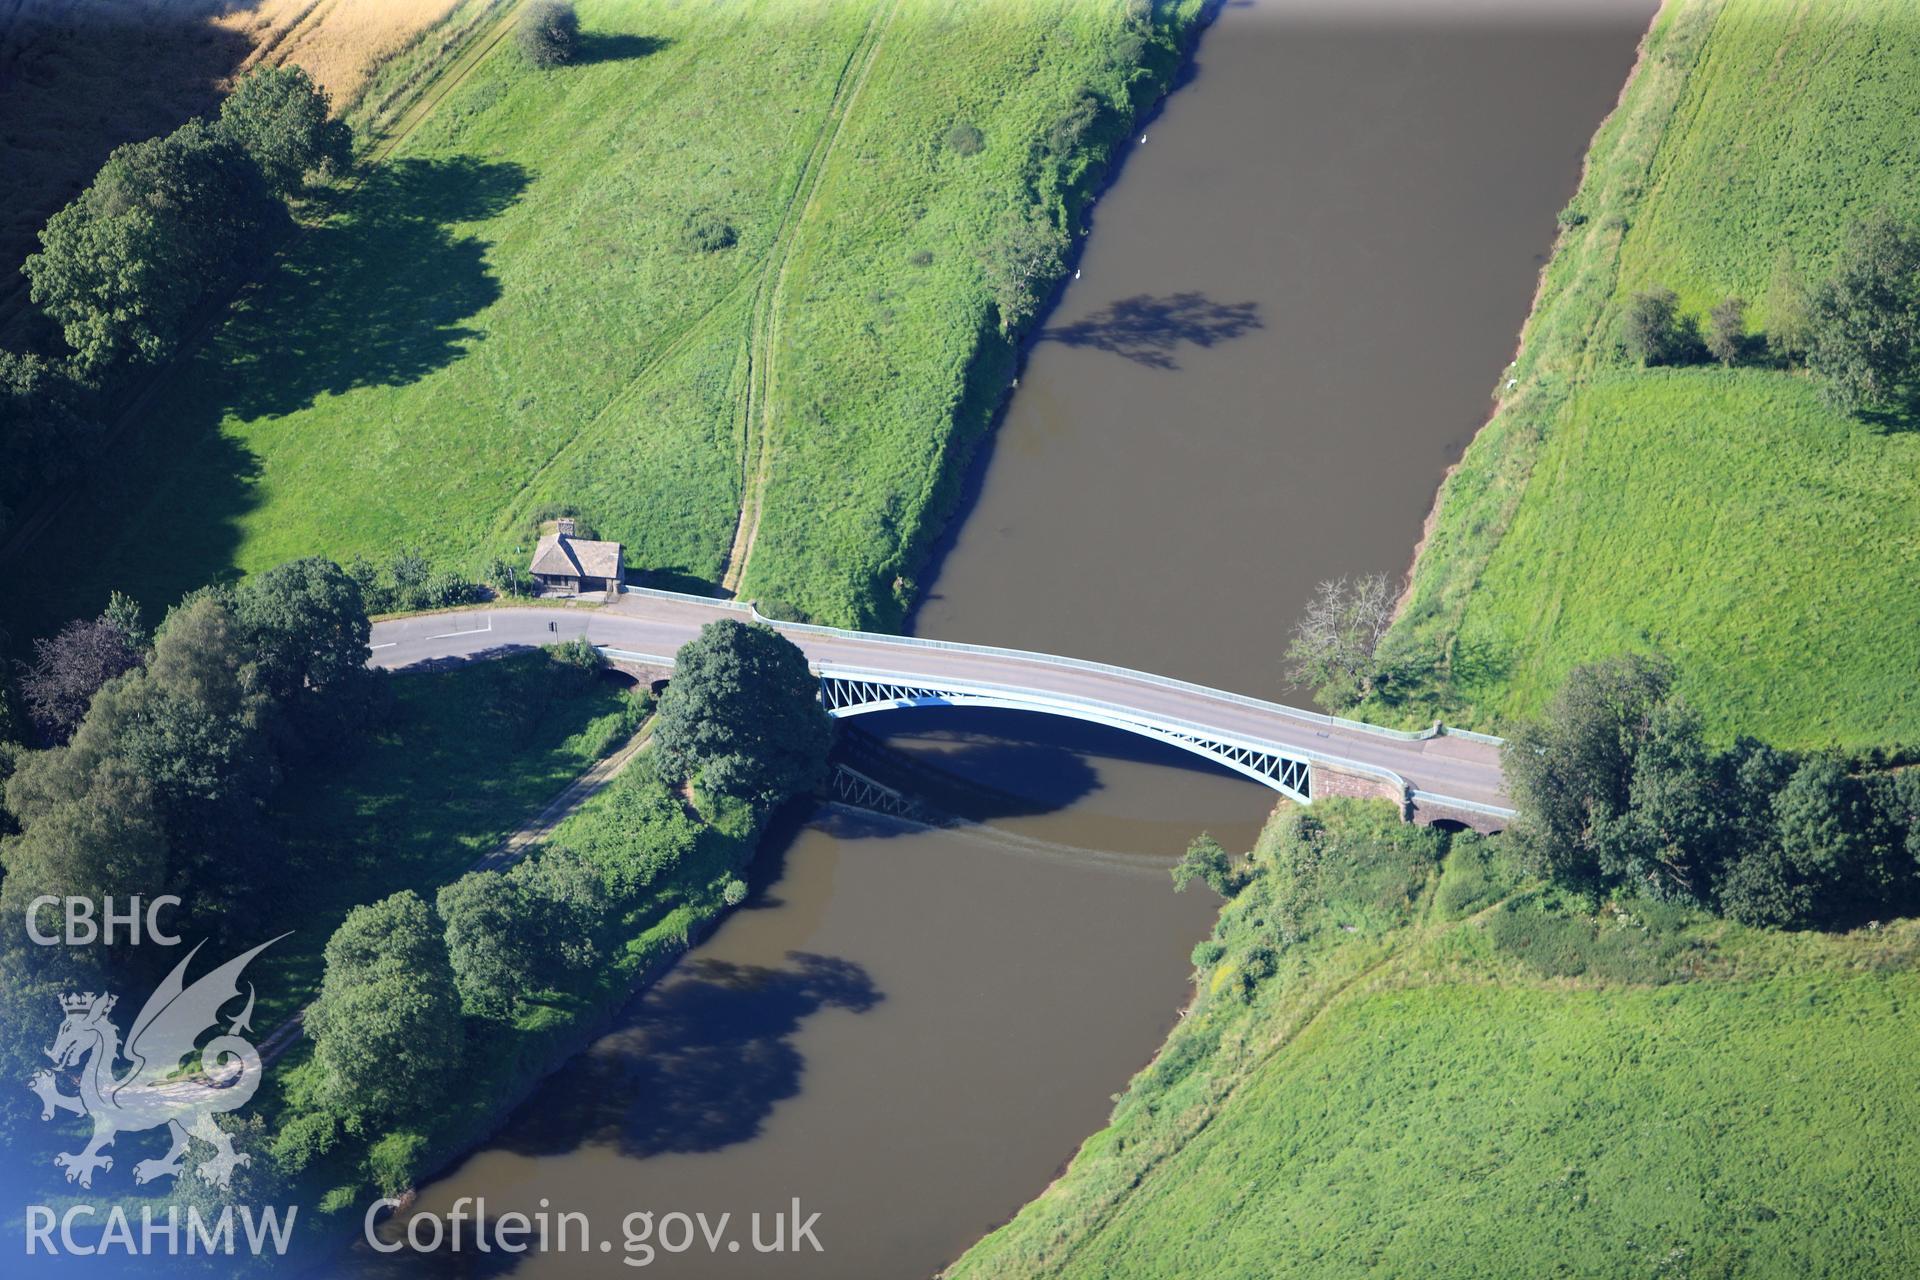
(565, 526)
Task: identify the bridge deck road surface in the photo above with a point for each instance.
(1459, 768)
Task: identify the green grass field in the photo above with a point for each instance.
(1729, 520)
(507, 314)
(1469, 1083)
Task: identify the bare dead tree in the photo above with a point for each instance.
(1337, 640)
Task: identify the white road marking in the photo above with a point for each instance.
(388, 645)
(470, 631)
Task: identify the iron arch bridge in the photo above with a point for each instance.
(847, 693)
(1434, 774)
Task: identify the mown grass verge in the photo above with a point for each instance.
(1728, 519)
(1404, 1059)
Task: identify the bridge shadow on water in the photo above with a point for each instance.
(972, 765)
(698, 1063)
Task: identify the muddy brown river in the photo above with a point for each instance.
(1289, 314)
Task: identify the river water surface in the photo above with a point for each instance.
(1289, 314)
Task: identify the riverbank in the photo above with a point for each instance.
(694, 849)
(1402, 1054)
(1726, 518)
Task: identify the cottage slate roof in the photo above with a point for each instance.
(560, 555)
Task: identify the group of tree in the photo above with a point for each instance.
(387, 1025)
(1858, 330)
(164, 225)
(158, 754)
(169, 220)
(1619, 792)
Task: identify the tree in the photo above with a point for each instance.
(304, 626)
(44, 431)
(1026, 254)
(193, 723)
(563, 898)
(90, 828)
(548, 32)
(1668, 841)
(164, 221)
(1789, 310)
(1823, 822)
(1336, 643)
(1656, 332)
(1208, 861)
(743, 694)
(1572, 769)
(386, 1027)
(281, 118)
(489, 943)
(69, 669)
(1866, 318)
(1727, 330)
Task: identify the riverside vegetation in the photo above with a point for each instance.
(818, 242)
(1731, 518)
(1406, 1056)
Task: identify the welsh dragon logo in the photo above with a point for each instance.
(155, 1090)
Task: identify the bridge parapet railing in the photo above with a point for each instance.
(749, 608)
(1471, 806)
(1107, 668)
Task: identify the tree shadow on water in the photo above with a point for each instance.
(699, 1063)
(1149, 330)
(375, 295)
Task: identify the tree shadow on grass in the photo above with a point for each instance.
(606, 46)
(1149, 331)
(374, 296)
(1898, 417)
(699, 1062)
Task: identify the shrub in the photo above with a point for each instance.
(1789, 311)
(394, 1161)
(548, 33)
(708, 232)
(735, 893)
(966, 140)
(1207, 953)
(1206, 860)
